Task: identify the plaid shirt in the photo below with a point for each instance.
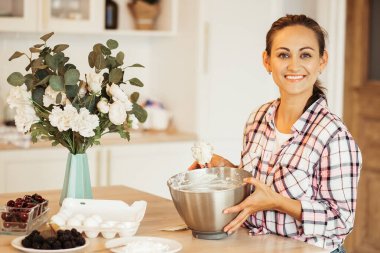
(319, 165)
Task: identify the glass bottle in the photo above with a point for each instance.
(111, 14)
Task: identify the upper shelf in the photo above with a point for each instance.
(81, 16)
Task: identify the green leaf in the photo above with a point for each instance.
(42, 73)
(100, 62)
(38, 95)
(46, 36)
(112, 44)
(29, 81)
(136, 82)
(97, 48)
(28, 66)
(116, 75)
(111, 62)
(134, 97)
(69, 66)
(60, 47)
(56, 83)
(51, 62)
(45, 80)
(15, 55)
(16, 79)
(72, 91)
(136, 65)
(71, 77)
(139, 112)
(120, 58)
(91, 59)
(58, 99)
(105, 50)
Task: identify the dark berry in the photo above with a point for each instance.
(80, 241)
(23, 217)
(22, 225)
(11, 203)
(45, 245)
(26, 243)
(7, 216)
(7, 224)
(67, 245)
(57, 245)
(18, 200)
(36, 245)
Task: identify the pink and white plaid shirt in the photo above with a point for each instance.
(319, 165)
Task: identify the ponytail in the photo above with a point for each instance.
(318, 92)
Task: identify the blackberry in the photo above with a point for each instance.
(45, 245)
(26, 243)
(57, 245)
(36, 245)
(67, 245)
(80, 241)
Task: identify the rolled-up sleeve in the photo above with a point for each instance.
(331, 213)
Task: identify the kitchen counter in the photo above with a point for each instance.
(137, 137)
(161, 213)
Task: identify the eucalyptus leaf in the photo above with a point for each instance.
(100, 62)
(72, 91)
(71, 77)
(34, 50)
(51, 62)
(120, 58)
(15, 55)
(139, 112)
(45, 80)
(60, 47)
(134, 97)
(136, 65)
(56, 83)
(112, 44)
(97, 48)
(46, 36)
(105, 50)
(69, 66)
(58, 98)
(27, 68)
(116, 75)
(42, 73)
(16, 79)
(136, 82)
(38, 95)
(91, 59)
(111, 62)
(38, 45)
(29, 81)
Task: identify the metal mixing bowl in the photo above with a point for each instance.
(200, 196)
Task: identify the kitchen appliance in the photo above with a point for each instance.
(201, 195)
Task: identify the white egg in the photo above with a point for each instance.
(59, 220)
(74, 222)
(68, 203)
(90, 222)
(80, 217)
(97, 218)
(91, 234)
(112, 223)
(107, 231)
(66, 213)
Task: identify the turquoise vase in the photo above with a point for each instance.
(77, 182)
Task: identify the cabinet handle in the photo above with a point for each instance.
(206, 38)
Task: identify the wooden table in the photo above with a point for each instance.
(161, 213)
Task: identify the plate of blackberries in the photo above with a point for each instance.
(62, 241)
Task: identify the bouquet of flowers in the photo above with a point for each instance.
(53, 103)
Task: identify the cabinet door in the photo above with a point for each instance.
(74, 16)
(39, 169)
(147, 167)
(18, 15)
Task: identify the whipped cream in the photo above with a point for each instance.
(146, 247)
(202, 152)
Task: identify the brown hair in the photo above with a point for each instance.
(320, 33)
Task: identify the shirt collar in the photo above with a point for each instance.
(301, 124)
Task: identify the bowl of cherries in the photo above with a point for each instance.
(22, 215)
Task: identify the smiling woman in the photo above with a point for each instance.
(304, 162)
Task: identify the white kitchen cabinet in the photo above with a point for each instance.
(18, 15)
(37, 169)
(79, 16)
(147, 167)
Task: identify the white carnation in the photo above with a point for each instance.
(103, 105)
(94, 81)
(50, 97)
(25, 117)
(82, 90)
(19, 96)
(117, 113)
(62, 118)
(85, 123)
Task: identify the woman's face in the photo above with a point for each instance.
(295, 62)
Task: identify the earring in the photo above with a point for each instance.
(320, 72)
(269, 72)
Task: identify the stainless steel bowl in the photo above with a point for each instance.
(200, 196)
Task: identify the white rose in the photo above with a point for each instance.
(19, 96)
(117, 113)
(103, 105)
(62, 118)
(94, 81)
(117, 93)
(25, 117)
(85, 123)
(133, 121)
(50, 97)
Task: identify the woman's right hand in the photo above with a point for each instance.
(216, 161)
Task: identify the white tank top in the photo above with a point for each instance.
(281, 138)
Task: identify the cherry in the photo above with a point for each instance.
(22, 225)
(7, 216)
(19, 200)
(7, 224)
(11, 203)
(23, 217)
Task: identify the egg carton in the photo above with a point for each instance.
(108, 218)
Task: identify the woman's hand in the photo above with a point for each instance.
(216, 161)
(263, 198)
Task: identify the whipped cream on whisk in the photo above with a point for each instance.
(202, 152)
